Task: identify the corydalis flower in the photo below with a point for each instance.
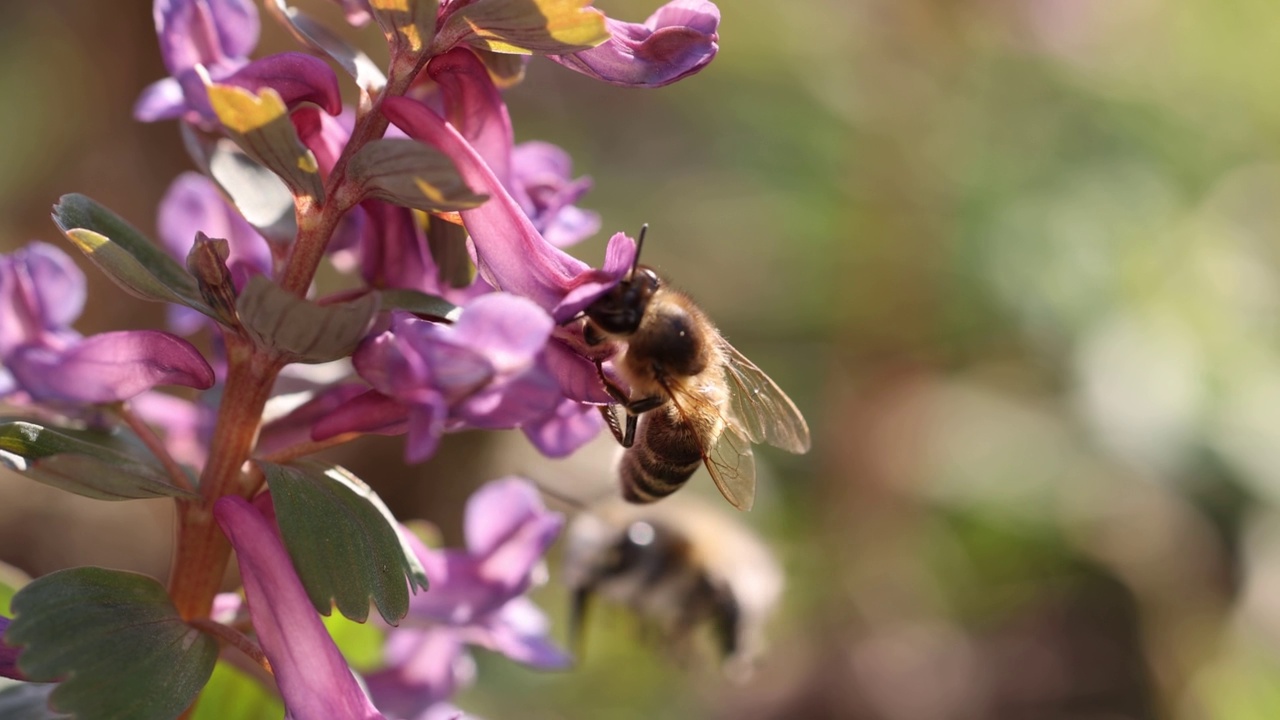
(484, 371)
(312, 675)
(41, 293)
(476, 598)
(215, 37)
(8, 655)
(675, 42)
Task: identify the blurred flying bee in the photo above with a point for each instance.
(697, 399)
(680, 566)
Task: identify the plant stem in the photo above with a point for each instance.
(200, 558)
(149, 438)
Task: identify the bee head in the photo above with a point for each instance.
(620, 311)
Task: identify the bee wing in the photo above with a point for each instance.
(733, 467)
(761, 410)
(729, 460)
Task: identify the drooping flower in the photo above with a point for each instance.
(43, 359)
(215, 37)
(542, 183)
(677, 40)
(484, 371)
(314, 679)
(477, 597)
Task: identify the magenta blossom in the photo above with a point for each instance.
(476, 598)
(43, 359)
(313, 677)
(485, 371)
(216, 37)
(677, 40)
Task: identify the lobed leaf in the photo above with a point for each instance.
(88, 464)
(344, 542)
(547, 27)
(114, 640)
(259, 123)
(419, 303)
(300, 330)
(27, 701)
(128, 257)
(409, 173)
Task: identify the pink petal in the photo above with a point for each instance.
(312, 675)
(475, 108)
(298, 77)
(110, 367)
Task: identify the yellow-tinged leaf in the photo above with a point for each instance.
(526, 26)
(242, 111)
(390, 5)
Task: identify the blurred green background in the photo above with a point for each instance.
(1016, 262)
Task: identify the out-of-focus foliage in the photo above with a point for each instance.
(1019, 264)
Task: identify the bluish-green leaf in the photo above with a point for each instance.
(114, 640)
(259, 123)
(233, 695)
(27, 701)
(419, 303)
(409, 173)
(259, 194)
(343, 541)
(127, 256)
(83, 463)
(300, 330)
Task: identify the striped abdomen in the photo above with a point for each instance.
(666, 453)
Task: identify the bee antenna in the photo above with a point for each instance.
(639, 245)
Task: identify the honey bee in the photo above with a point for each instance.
(680, 566)
(697, 400)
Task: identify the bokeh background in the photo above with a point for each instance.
(1017, 262)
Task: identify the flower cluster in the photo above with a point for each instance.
(458, 316)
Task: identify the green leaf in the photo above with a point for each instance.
(419, 304)
(448, 245)
(300, 330)
(311, 33)
(407, 172)
(548, 27)
(505, 70)
(88, 464)
(233, 695)
(27, 701)
(259, 123)
(408, 24)
(127, 256)
(344, 542)
(259, 194)
(116, 642)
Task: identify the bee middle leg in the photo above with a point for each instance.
(626, 438)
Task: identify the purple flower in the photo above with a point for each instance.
(194, 204)
(510, 252)
(8, 655)
(537, 174)
(484, 371)
(476, 598)
(312, 675)
(676, 41)
(541, 182)
(41, 293)
(217, 36)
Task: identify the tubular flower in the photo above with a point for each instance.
(41, 293)
(476, 598)
(216, 37)
(677, 40)
(8, 655)
(313, 677)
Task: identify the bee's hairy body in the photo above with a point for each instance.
(674, 350)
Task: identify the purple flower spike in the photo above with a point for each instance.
(424, 668)
(298, 78)
(475, 108)
(8, 655)
(109, 367)
(313, 677)
(510, 252)
(41, 293)
(676, 41)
